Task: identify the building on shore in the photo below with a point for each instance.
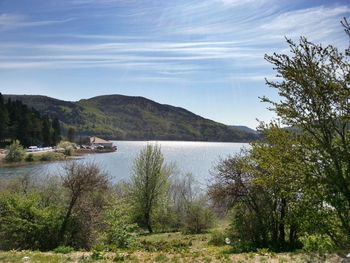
(98, 142)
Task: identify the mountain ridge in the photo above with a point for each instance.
(124, 117)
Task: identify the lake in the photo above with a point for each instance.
(190, 157)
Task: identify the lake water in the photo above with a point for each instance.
(197, 158)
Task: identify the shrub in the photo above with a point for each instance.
(165, 246)
(119, 230)
(85, 186)
(63, 249)
(67, 147)
(198, 217)
(161, 258)
(217, 238)
(96, 255)
(26, 224)
(317, 243)
(29, 158)
(50, 156)
(15, 152)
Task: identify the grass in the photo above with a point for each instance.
(167, 247)
(36, 157)
(142, 256)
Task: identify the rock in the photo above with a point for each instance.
(26, 259)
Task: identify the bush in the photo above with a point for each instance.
(166, 246)
(50, 156)
(119, 231)
(67, 147)
(63, 250)
(25, 223)
(217, 238)
(198, 217)
(317, 243)
(29, 158)
(15, 152)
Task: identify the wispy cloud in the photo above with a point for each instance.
(11, 21)
(203, 36)
(162, 57)
(319, 22)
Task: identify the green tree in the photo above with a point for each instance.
(80, 180)
(56, 134)
(149, 184)
(15, 152)
(119, 230)
(273, 203)
(4, 119)
(47, 131)
(71, 134)
(315, 93)
(26, 223)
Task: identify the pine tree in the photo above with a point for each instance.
(56, 134)
(47, 131)
(3, 119)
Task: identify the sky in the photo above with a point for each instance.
(206, 55)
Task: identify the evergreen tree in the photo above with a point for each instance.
(47, 131)
(71, 134)
(56, 134)
(3, 119)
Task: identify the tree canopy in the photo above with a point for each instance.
(18, 122)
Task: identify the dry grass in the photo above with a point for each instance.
(205, 255)
(165, 248)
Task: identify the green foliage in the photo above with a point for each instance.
(149, 184)
(317, 243)
(29, 158)
(4, 119)
(96, 255)
(71, 134)
(86, 188)
(263, 251)
(25, 223)
(268, 192)
(133, 118)
(165, 246)
(217, 238)
(20, 122)
(15, 152)
(119, 230)
(198, 217)
(315, 95)
(63, 250)
(67, 147)
(50, 156)
(161, 258)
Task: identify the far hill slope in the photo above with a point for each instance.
(133, 118)
(244, 129)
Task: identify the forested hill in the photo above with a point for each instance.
(133, 118)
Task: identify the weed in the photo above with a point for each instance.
(161, 258)
(63, 249)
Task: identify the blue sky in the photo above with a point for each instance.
(206, 56)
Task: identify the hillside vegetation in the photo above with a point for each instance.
(133, 118)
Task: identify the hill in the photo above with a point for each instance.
(133, 118)
(244, 128)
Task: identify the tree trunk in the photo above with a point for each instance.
(65, 220)
(148, 222)
(292, 235)
(281, 226)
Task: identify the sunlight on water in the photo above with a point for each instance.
(190, 157)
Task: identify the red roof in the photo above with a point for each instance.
(97, 140)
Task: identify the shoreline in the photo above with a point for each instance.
(77, 154)
(4, 164)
